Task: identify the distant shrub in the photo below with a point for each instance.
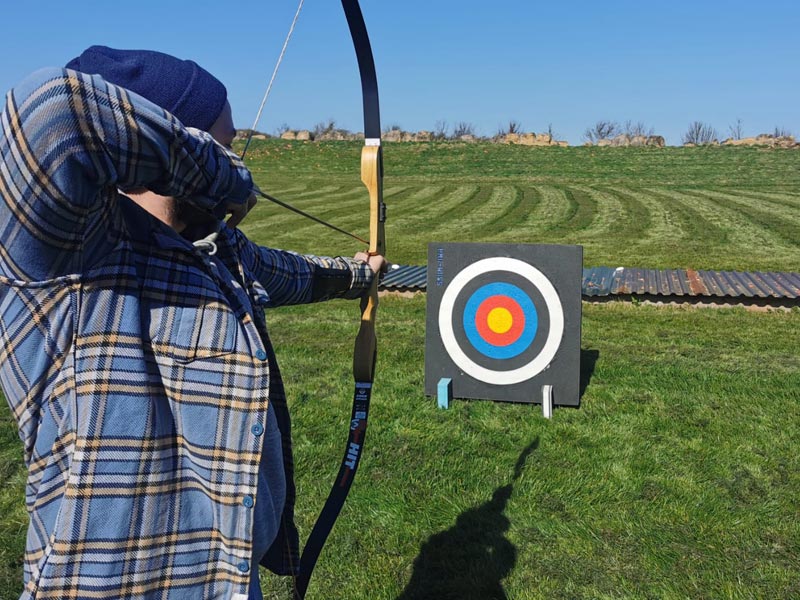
(781, 132)
(513, 126)
(736, 130)
(463, 128)
(601, 130)
(440, 130)
(700, 133)
(637, 129)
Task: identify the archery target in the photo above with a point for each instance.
(501, 320)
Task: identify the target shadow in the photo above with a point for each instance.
(588, 362)
(469, 560)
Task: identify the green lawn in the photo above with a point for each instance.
(678, 477)
(704, 208)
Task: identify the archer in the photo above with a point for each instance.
(136, 357)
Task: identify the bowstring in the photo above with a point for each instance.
(258, 118)
(272, 78)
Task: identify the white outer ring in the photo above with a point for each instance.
(554, 308)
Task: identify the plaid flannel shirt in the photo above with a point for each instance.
(138, 367)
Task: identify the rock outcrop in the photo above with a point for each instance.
(624, 140)
(765, 139)
(529, 139)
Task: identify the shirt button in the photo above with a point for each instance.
(248, 501)
(257, 429)
(261, 355)
(243, 567)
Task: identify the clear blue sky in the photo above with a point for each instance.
(564, 62)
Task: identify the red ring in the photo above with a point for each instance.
(517, 320)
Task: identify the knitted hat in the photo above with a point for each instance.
(181, 87)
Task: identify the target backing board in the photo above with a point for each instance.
(503, 320)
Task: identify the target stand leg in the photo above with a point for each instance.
(547, 401)
(445, 392)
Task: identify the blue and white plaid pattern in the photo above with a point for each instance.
(138, 368)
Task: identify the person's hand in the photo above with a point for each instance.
(238, 212)
(376, 262)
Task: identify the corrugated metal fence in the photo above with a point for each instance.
(600, 282)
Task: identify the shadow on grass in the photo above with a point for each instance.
(469, 560)
(588, 361)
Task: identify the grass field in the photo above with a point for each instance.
(678, 477)
(705, 208)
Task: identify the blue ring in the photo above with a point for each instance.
(528, 308)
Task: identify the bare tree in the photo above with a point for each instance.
(700, 133)
(463, 128)
(323, 128)
(637, 129)
(736, 130)
(392, 127)
(602, 130)
(781, 132)
(281, 129)
(513, 126)
(440, 130)
(551, 132)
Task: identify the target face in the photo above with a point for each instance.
(501, 321)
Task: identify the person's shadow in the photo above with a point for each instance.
(469, 560)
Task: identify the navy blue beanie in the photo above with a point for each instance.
(181, 87)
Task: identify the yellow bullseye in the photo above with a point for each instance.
(499, 320)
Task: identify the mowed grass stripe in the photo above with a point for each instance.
(637, 221)
(512, 224)
(779, 226)
(345, 195)
(780, 198)
(734, 243)
(582, 210)
(491, 221)
(413, 197)
(321, 201)
(735, 227)
(692, 222)
(447, 203)
(619, 217)
(322, 207)
(456, 221)
(759, 204)
(315, 189)
(552, 210)
(347, 209)
(282, 189)
(322, 196)
(672, 236)
(345, 206)
(409, 227)
(616, 216)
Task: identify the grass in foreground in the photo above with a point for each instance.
(677, 478)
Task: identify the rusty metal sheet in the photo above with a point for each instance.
(613, 281)
(758, 285)
(597, 281)
(697, 286)
(785, 285)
